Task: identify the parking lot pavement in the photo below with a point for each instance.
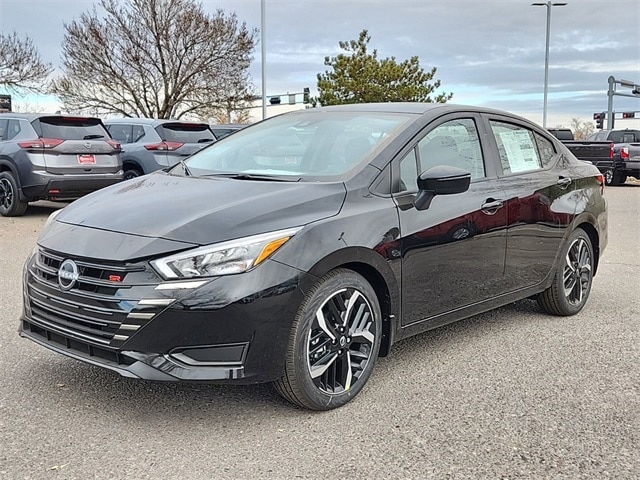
(509, 394)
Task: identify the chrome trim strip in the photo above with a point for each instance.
(161, 302)
(141, 316)
(181, 285)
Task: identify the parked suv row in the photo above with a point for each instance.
(149, 144)
(60, 157)
(53, 157)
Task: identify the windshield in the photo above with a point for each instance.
(319, 146)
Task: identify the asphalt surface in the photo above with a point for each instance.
(511, 394)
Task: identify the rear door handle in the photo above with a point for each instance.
(491, 206)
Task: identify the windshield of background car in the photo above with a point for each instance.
(70, 128)
(318, 146)
(186, 132)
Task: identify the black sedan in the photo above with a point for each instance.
(299, 249)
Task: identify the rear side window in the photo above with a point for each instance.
(185, 132)
(546, 150)
(3, 130)
(121, 132)
(517, 147)
(70, 128)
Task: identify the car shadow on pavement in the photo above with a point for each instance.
(70, 383)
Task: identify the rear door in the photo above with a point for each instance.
(75, 145)
(183, 139)
(540, 199)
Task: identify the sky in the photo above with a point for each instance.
(487, 52)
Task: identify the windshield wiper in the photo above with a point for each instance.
(253, 176)
(205, 140)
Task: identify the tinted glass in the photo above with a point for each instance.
(3, 130)
(185, 133)
(546, 150)
(408, 173)
(120, 132)
(517, 147)
(70, 128)
(453, 143)
(325, 145)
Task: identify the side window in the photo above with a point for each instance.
(138, 133)
(409, 173)
(517, 147)
(546, 150)
(455, 143)
(13, 129)
(3, 130)
(120, 132)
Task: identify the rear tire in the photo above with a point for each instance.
(614, 177)
(131, 173)
(571, 285)
(11, 205)
(334, 342)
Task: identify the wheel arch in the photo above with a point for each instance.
(130, 163)
(378, 273)
(591, 231)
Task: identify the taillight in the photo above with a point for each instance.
(41, 143)
(167, 146)
(624, 153)
(600, 179)
(611, 150)
(114, 144)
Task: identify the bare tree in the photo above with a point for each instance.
(581, 130)
(153, 58)
(20, 64)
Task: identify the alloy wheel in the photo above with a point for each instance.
(577, 271)
(340, 341)
(6, 193)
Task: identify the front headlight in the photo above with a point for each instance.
(235, 256)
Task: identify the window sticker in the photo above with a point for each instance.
(520, 150)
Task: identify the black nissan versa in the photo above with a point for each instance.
(299, 249)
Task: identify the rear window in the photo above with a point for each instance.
(625, 136)
(70, 128)
(185, 132)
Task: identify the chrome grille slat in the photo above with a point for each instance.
(72, 333)
(92, 311)
(74, 304)
(81, 293)
(78, 317)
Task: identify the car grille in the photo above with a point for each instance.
(97, 314)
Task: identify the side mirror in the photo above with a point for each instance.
(440, 180)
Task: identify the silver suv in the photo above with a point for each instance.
(150, 144)
(53, 157)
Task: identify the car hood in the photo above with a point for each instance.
(203, 211)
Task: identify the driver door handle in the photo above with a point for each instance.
(491, 206)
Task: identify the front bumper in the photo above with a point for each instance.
(228, 329)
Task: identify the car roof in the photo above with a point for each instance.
(154, 122)
(34, 116)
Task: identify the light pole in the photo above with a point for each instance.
(546, 55)
(263, 39)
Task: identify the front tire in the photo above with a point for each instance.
(10, 203)
(334, 342)
(571, 285)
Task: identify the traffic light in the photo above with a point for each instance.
(305, 95)
(628, 114)
(274, 100)
(599, 118)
